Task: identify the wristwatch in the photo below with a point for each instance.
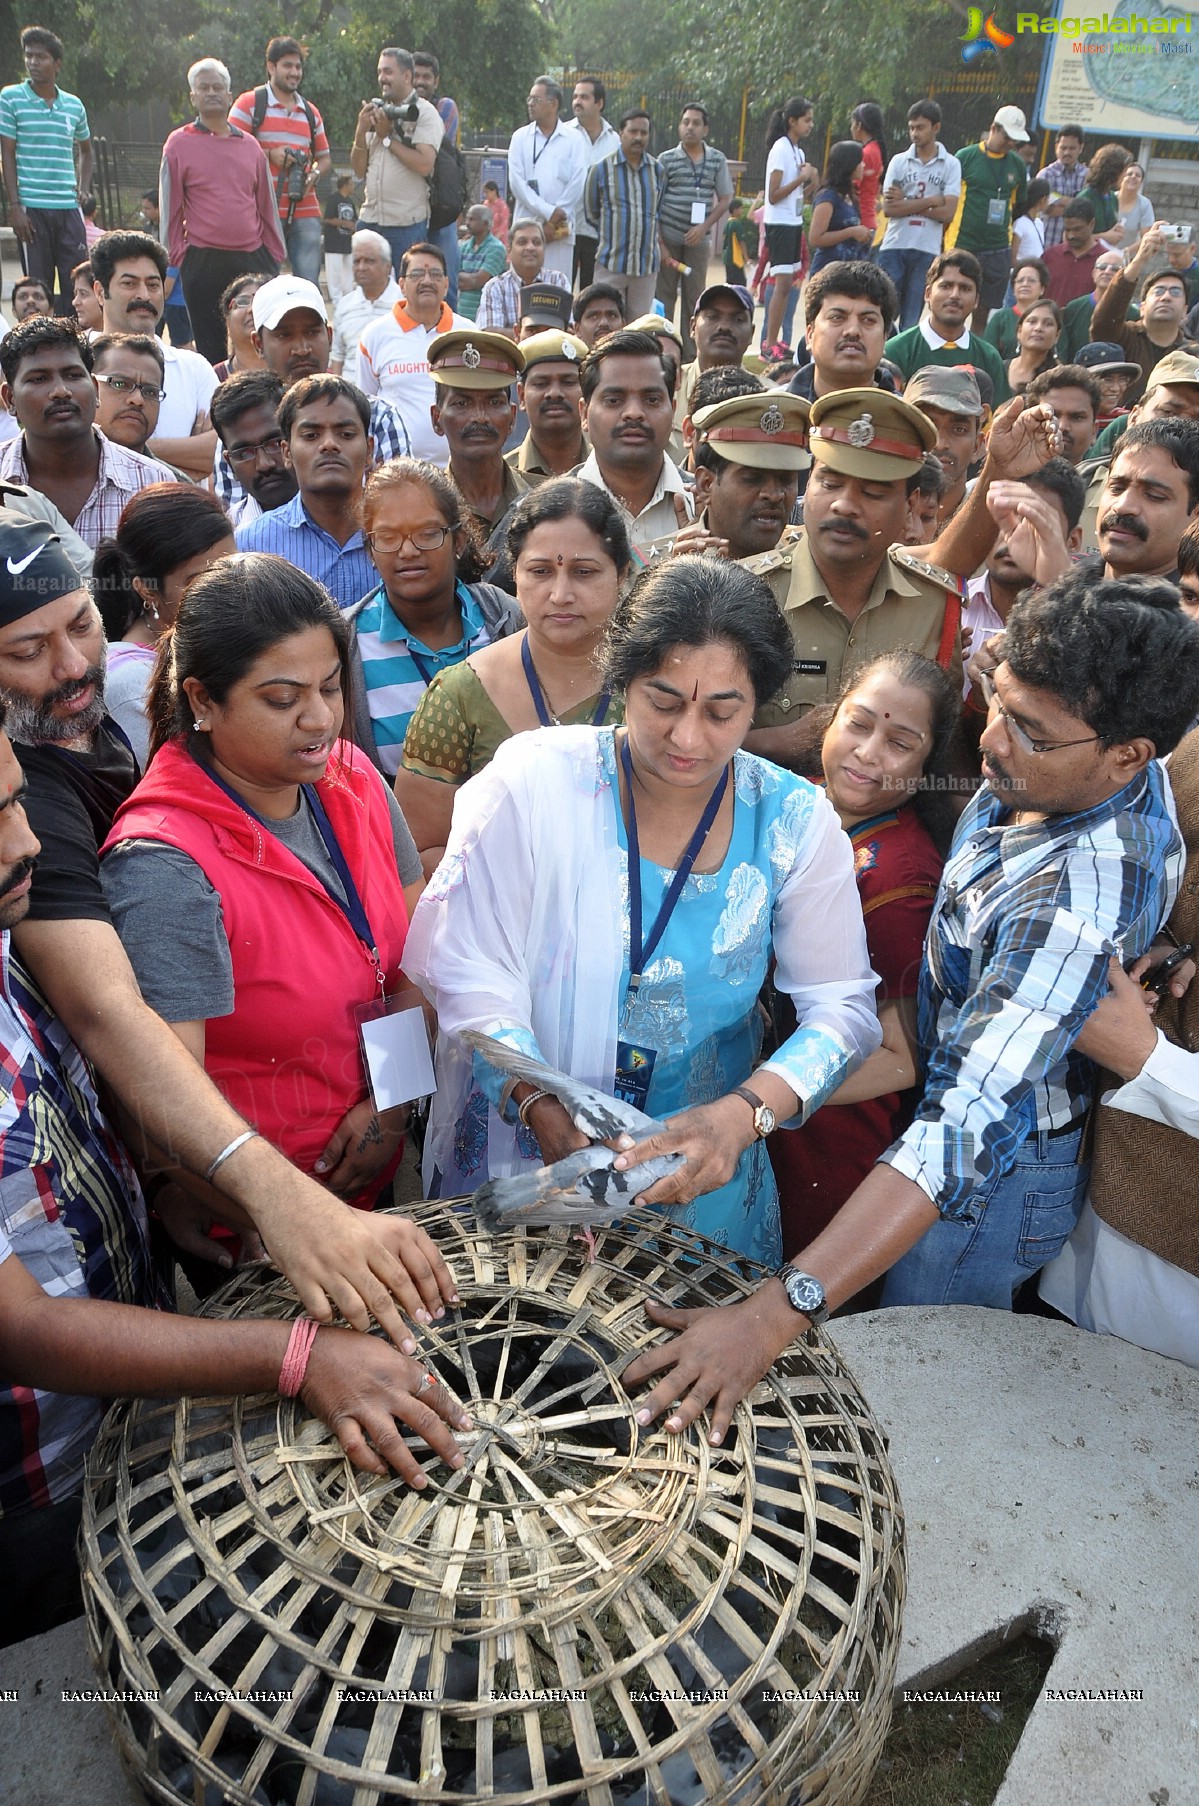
(386, 143)
(804, 1293)
(765, 1120)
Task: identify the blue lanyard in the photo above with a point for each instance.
(351, 905)
(641, 952)
(538, 694)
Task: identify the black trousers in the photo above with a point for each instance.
(584, 270)
(59, 243)
(205, 274)
(39, 1569)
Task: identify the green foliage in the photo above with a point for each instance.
(132, 51)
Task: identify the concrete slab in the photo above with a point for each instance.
(1052, 1477)
(55, 1751)
(1049, 1477)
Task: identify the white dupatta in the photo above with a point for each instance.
(521, 924)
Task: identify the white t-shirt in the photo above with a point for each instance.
(190, 382)
(1028, 238)
(940, 176)
(788, 160)
(393, 361)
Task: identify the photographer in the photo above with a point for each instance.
(395, 147)
(292, 133)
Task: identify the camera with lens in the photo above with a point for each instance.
(293, 181)
(399, 117)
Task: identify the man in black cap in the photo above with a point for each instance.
(78, 770)
(721, 327)
(1111, 370)
(543, 308)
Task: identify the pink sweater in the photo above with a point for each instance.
(216, 193)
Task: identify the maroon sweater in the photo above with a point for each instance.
(216, 193)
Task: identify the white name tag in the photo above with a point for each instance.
(699, 212)
(398, 1058)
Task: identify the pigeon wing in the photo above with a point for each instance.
(583, 1189)
(593, 1112)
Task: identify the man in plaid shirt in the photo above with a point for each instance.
(1067, 176)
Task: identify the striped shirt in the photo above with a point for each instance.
(71, 1212)
(499, 299)
(686, 182)
(621, 202)
(46, 136)
(1027, 917)
(121, 474)
(395, 682)
(287, 126)
(345, 570)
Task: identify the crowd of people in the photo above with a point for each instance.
(801, 744)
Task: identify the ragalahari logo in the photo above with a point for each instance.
(983, 35)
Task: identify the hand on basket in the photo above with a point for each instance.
(359, 1386)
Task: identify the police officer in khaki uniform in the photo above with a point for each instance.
(848, 588)
(474, 409)
(549, 391)
(748, 452)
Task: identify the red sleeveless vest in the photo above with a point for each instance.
(289, 1057)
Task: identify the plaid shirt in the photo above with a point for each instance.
(499, 299)
(71, 1211)
(121, 474)
(1025, 922)
(1070, 182)
(387, 430)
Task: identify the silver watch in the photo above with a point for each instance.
(804, 1292)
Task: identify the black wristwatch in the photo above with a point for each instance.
(765, 1120)
(804, 1293)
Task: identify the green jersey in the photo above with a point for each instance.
(992, 187)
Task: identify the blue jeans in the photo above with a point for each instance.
(446, 239)
(1024, 1217)
(908, 270)
(303, 241)
(399, 238)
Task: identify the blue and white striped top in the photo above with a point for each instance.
(395, 682)
(45, 137)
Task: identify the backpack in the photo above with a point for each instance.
(447, 186)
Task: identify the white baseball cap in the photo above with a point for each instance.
(1011, 119)
(280, 295)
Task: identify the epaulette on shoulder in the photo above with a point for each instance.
(778, 558)
(936, 573)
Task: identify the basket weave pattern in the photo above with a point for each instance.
(587, 1611)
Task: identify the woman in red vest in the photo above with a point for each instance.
(256, 875)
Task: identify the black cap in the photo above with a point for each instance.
(34, 569)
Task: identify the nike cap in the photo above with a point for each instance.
(34, 569)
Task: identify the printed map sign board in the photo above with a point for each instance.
(1124, 73)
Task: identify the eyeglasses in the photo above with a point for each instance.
(425, 539)
(125, 385)
(1023, 739)
(248, 454)
(241, 301)
(419, 275)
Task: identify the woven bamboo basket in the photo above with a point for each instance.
(587, 1611)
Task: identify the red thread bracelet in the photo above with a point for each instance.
(295, 1361)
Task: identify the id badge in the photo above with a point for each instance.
(699, 212)
(395, 1047)
(996, 211)
(634, 1070)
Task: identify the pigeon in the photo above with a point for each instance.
(585, 1187)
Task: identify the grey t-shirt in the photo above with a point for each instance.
(170, 920)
